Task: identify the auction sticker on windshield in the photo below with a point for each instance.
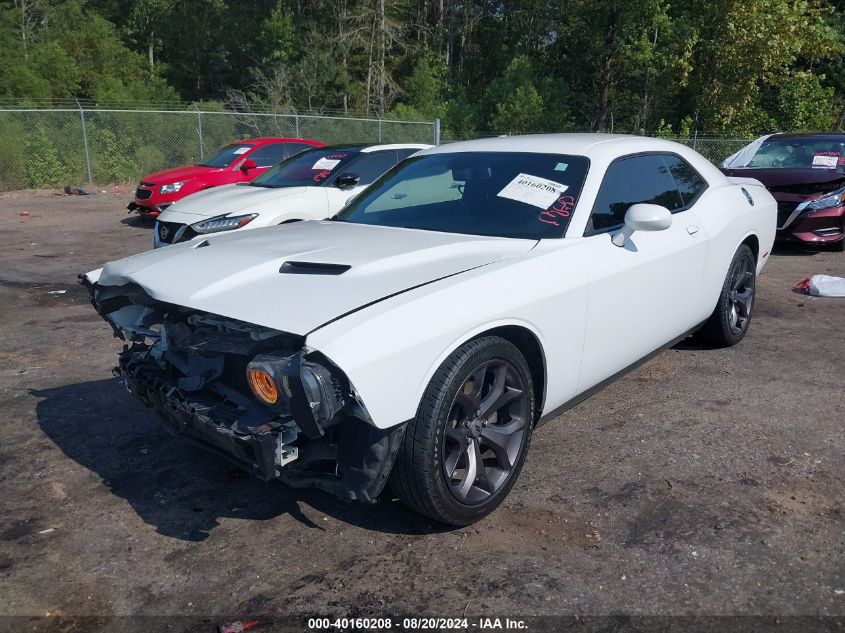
(326, 163)
(241, 150)
(533, 190)
(820, 160)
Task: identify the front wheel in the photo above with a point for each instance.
(730, 320)
(465, 448)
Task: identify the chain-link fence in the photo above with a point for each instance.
(66, 146)
(713, 147)
(73, 146)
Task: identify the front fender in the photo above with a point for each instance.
(391, 349)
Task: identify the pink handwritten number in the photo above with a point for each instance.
(562, 208)
(321, 175)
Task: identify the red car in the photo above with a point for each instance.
(238, 162)
(806, 175)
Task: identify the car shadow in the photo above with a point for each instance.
(178, 489)
(781, 249)
(138, 222)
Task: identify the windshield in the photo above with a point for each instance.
(798, 153)
(307, 169)
(227, 155)
(506, 194)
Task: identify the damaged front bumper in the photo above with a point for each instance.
(190, 367)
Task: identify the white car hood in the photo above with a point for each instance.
(237, 275)
(228, 199)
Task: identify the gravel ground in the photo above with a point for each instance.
(706, 482)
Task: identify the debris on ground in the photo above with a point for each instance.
(237, 626)
(75, 191)
(821, 286)
(24, 214)
(56, 292)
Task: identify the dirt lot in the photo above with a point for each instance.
(706, 482)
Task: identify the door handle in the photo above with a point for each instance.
(692, 229)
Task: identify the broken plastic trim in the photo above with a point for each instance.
(181, 362)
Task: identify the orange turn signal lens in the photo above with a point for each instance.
(263, 386)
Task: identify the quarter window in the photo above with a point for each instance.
(662, 179)
(689, 183)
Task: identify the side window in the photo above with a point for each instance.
(369, 166)
(268, 155)
(630, 181)
(295, 148)
(689, 183)
(404, 153)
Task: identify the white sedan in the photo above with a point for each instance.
(311, 185)
(463, 299)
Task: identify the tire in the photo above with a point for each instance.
(838, 247)
(731, 318)
(448, 444)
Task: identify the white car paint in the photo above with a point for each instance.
(273, 206)
(245, 284)
(412, 297)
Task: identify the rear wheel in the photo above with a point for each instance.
(463, 451)
(730, 320)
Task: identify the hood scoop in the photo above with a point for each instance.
(313, 268)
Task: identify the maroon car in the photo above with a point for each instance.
(806, 175)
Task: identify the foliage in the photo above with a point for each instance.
(483, 67)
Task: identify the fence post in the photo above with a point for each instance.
(85, 144)
(437, 131)
(199, 132)
(695, 139)
(378, 116)
(296, 123)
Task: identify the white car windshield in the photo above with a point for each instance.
(310, 168)
(505, 194)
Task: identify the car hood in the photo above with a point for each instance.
(240, 275)
(798, 181)
(179, 173)
(228, 199)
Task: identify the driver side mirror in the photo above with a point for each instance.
(643, 217)
(248, 164)
(347, 181)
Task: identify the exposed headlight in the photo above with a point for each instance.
(319, 389)
(173, 187)
(263, 386)
(835, 199)
(276, 380)
(223, 223)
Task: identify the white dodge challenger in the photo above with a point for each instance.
(472, 293)
(311, 185)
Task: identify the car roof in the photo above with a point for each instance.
(600, 149)
(364, 148)
(563, 143)
(376, 148)
(274, 139)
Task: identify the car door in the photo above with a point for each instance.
(642, 295)
(368, 167)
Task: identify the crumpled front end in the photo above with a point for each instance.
(250, 394)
